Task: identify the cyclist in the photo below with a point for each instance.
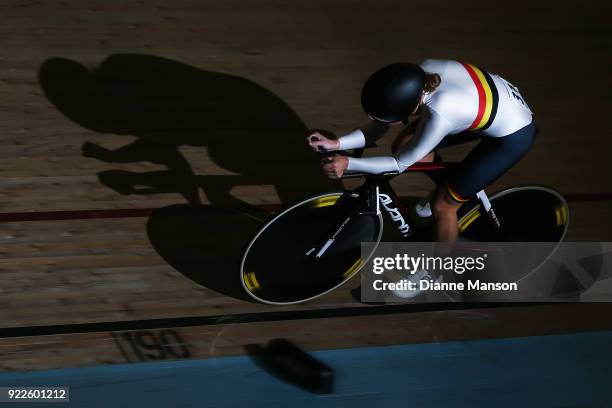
(448, 102)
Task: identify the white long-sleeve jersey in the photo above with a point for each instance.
(466, 99)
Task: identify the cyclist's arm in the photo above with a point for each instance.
(365, 136)
(430, 131)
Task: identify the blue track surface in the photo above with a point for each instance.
(551, 371)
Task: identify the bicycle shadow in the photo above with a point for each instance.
(246, 130)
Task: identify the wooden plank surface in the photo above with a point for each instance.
(210, 101)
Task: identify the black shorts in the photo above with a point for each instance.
(491, 158)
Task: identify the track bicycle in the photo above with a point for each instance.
(314, 246)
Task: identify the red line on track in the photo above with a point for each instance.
(145, 212)
(75, 215)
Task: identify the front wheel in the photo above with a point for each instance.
(278, 266)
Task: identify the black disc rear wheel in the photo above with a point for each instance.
(527, 214)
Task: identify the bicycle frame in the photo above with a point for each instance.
(393, 206)
(384, 196)
(377, 192)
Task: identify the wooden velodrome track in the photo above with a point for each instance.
(140, 141)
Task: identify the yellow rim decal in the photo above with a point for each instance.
(353, 268)
(468, 219)
(251, 281)
(561, 212)
(325, 201)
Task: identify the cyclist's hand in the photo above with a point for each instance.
(334, 166)
(320, 143)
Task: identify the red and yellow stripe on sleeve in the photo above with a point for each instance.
(488, 97)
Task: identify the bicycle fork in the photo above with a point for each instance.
(370, 199)
(367, 203)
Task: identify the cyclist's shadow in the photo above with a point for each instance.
(248, 132)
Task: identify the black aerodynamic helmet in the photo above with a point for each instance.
(392, 93)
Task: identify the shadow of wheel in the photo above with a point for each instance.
(203, 243)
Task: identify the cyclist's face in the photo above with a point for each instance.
(401, 122)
